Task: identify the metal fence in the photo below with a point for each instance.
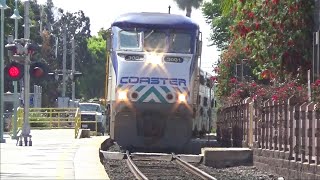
(285, 136)
(53, 118)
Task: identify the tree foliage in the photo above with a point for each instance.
(273, 36)
(78, 27)
(188, 5)
(92, 84)
(219, 23)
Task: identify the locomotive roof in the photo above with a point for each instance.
(155, 20)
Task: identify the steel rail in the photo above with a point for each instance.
(193, 169)
(134, 169)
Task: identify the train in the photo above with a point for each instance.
(158, 96)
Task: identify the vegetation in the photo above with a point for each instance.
(274, 37)
(90, 51)
(188, 5)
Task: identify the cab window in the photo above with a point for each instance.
(129, 40)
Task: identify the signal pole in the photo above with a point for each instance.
(26, 124)
(3, 6)
(16, 16)
(73, 70)
(64, 63)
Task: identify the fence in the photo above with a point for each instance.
(53, 118)
(284, 136)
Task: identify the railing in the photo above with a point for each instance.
(284, 135)
(53, 118)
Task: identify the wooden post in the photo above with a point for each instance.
(296, 127)
(317, 135)
(302, 130)
(291, 126)
(310, 131)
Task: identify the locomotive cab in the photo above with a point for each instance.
(153, 64)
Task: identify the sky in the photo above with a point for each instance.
(103, 12)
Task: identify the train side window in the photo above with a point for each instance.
(205, 101)
(202, 80)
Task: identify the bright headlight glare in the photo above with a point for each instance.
(154, 59)
(182, 98)
(122, 95)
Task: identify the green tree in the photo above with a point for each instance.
(188, 5)
(219, 23)
(93, 82)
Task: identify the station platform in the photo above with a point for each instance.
(54, 154)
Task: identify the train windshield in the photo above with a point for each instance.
(130, 40)
(155, 41)
(152, 40)
(179, 43)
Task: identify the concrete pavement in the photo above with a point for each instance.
(55, 154)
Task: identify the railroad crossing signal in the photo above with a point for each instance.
(38, 70)
(14, 71)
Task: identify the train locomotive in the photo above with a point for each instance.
(153, 80)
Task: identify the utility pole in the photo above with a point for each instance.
(64, 63)
(26, 124)
(73, 70)
(3, 6)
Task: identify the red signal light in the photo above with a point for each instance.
(14, 71)
(38, 70)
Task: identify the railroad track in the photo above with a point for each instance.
(159, 168)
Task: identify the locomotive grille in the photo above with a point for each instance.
(151, 124)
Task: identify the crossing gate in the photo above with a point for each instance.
(52, 118)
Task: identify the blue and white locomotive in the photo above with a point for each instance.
(153, 80)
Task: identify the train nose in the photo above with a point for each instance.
(152, 124)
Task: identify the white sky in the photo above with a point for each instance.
(103, 12)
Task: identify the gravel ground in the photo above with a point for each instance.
(163, 170)
(118, 170)
(238, 173)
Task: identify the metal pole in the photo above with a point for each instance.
(309, 87)
(2, 140)
(15, 88)
(313, 58)
(64, 63)
(26, 125)
(73, 70)
(241, 70)
(16, 16)
(318, 53)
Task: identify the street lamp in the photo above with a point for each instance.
(3, 6)
(16, 16)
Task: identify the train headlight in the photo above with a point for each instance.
(122, 95)
(154, 59)
(182, 98)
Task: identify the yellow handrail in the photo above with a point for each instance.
(53, 118)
